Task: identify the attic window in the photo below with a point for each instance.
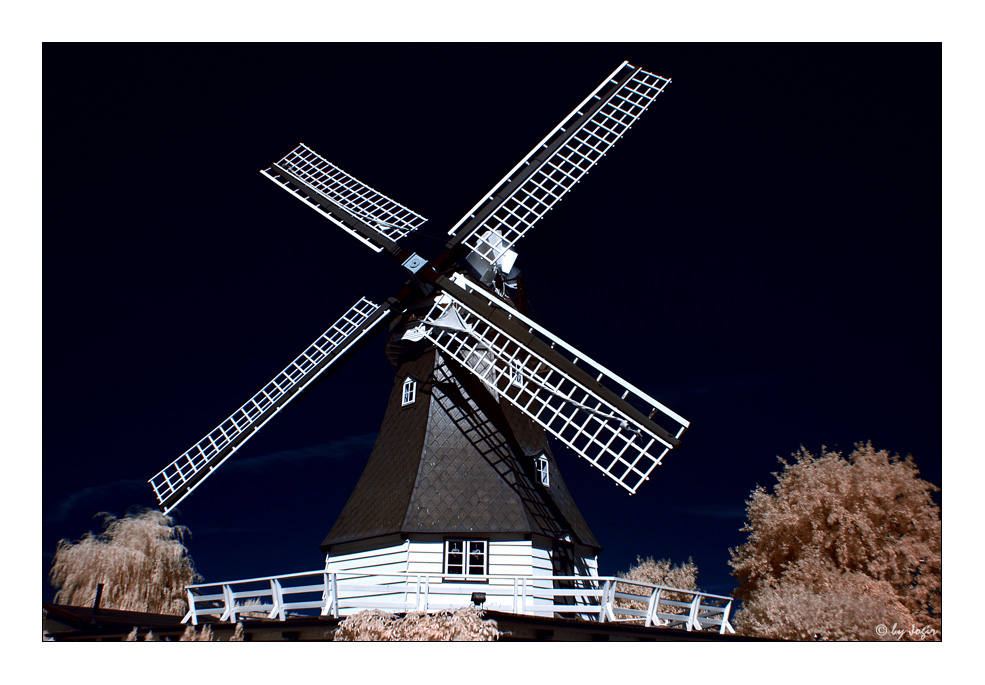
(409, 392)
(466, 557)
(543, 469)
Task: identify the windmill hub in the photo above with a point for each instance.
(414, 263)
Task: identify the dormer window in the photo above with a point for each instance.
(543, 469)
(409, 394)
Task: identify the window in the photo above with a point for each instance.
(543, 469)
(410, 392)
(466, 557)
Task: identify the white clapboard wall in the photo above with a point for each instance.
(423, 554)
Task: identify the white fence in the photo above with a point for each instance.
(324, 593)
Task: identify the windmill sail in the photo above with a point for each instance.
(601, 417)
(557, 163)
(184, 474)
(593, 411)
(369, 215)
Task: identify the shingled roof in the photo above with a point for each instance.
(456, 461)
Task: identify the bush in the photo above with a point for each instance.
(662, 572)
(464, 624)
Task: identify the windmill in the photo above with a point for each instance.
(462, 480)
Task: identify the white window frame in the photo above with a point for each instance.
(409, 392)
(467, 557)
(543, 467)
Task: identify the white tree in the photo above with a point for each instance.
(139, 559)
(661, 572)
(841, 547)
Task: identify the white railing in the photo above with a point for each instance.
(328, 593)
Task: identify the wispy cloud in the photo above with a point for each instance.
(95, 498)
(227, 531)
(717, 511)
(95, 495)
(352, 446)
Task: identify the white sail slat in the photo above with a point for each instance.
(175, 481)
(606, 421)
(303, 167)
(551, 173)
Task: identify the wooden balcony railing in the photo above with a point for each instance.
(325, 593)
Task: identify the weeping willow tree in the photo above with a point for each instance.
(140, 559)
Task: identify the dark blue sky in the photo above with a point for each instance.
(761, 253)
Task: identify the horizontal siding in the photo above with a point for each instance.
(425, 552)
(541, 563)
(360, 546)
(426, 556)
(505, 570)
(509, 559)
(521, 547)
(507, 556)
(509, 553)
(425, 566)
(540, 566)
(592, 565)
(381, 556)
(434, 568)
(391, 559)
(426, 549)
(416, 558)
(375, 569)
(389, 556)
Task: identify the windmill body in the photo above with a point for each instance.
(462, 486)
(460, 483)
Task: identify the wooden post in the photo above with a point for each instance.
(96, 600)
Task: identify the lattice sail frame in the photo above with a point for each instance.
(177, 480)
(622, 447)
(562, 169)
(387, 216)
